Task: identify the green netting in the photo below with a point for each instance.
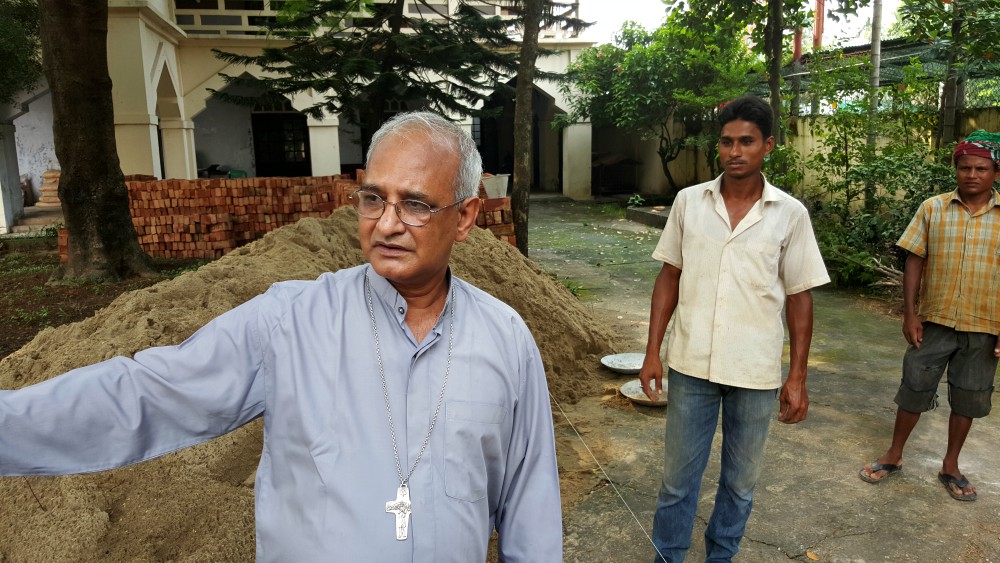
(982, 85)
(982, 92)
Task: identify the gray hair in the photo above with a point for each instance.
(443, 134)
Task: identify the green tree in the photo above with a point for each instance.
(770, 25)
(20, 48)
(102, 239)
(665, 84)
(890, 178)
(533, 15)
(966, 33)
(363, 55)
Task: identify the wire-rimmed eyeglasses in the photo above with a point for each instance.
(412, 212)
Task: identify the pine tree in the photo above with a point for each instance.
(361, 55)
(532, 14)
(20, 48)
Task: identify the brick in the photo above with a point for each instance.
(499, 230)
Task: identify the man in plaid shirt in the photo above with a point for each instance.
(952, 274)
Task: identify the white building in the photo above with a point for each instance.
(167, 124)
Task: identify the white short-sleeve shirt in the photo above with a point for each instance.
(727, 327)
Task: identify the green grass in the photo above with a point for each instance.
(16, 264)
(40, 316)
(173, 273)
(575, 288)
(613, 209)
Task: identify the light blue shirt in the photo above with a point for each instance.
(303, 356)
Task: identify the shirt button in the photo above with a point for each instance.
(401, 311)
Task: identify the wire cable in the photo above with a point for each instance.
(606, 476)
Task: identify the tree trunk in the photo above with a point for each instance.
(873, 97)
(665, 160)
(668, 151)
(774, 30)
(949, 93)
(523, 165)
(102, 240)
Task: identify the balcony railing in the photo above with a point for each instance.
(233, 18)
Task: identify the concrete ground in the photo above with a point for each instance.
(810, 504)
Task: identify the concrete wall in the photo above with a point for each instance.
(558, 62)
(350, 144)
(690, 168)
(802, 137)
(577, 139)
(687, 169)
(986, 118)
(11, 199)
(223, 136)
(36, 151)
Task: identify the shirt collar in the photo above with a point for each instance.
(994, 198)
(395, 303)
(770, 192)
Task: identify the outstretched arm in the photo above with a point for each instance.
(127, 410)
(794, 399)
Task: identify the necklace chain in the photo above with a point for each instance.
(385, 389)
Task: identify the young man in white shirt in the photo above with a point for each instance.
(737, 251)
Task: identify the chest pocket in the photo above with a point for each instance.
(759, 266)
(472, 446)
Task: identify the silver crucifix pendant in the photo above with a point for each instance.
(401, 508)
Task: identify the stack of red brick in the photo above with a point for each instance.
(496, 216)
(207, 218)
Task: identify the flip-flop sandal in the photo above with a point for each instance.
(954, 486)
(889, 468)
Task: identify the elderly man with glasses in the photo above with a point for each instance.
(406, 414)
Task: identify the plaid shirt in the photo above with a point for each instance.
(961, 277)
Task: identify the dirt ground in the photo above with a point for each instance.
(810, 505)
(28, 305)
(196, 504)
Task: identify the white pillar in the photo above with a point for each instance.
(324, 145)
(178, 148)
(137, 144)
(576, 161)
(133, 96)
(11, 202)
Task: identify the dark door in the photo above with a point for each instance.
(281, 144)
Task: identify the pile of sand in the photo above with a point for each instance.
(197, 504)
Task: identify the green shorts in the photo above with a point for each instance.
(971, 364)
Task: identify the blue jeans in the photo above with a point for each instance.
(692, 417)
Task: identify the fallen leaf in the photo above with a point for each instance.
(812, 556)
